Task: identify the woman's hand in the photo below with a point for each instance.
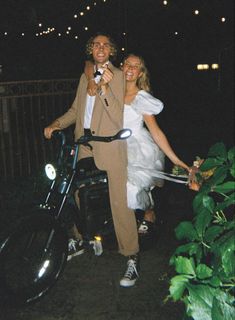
(89, 72)
(193, 184)
(92, 87)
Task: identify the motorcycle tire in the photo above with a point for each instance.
(32, 258)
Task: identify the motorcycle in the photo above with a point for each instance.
(34, 254)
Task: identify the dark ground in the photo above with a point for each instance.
(89, 287)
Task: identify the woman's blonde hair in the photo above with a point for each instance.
(143, 82)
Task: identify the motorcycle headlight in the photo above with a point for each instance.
(50, 171)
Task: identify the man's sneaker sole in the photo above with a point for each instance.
(77, 253)
(127, 283)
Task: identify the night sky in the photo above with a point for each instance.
(149, 28)
(171, 38)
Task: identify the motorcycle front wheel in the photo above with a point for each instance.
(32, 258)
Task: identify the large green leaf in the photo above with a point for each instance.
(229, 225)
(202, 221)
(214, 281)
(212, 233)
(200, 301)
(222, 307)
(208, 203)
(218, 150)
(203, 271)
(190, 248)
(184, 265)
(218, 177)
(224, 248)
(224, 243)
(211, 163)
(232, 170)
(226, 203)
(205, 188)
(231, 154)
(226, 187)
(186, 230)
(228, 259)
(178, 285)
(198, 202)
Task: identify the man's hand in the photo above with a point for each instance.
(51, 128)
(107, 76)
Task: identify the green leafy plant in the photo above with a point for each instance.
(205, 262)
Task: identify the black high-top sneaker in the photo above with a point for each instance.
(131, 273)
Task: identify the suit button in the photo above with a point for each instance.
(93, 132)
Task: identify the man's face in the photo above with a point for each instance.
(101, 50)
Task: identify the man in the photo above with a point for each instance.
(102, 115)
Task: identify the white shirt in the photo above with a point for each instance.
(90, 101)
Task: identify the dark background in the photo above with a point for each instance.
(199, 111)
(198, 104)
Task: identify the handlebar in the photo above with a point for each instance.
(84, 140)
(121, 135)
(60, 134)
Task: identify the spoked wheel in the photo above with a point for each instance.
(31, 259)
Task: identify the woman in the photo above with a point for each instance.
(146, 148)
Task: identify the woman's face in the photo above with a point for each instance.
(132, 68)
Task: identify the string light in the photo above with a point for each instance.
(202, 66)
(83, 12)
(215, 66)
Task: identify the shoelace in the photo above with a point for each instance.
(72, 244)
(131, 268)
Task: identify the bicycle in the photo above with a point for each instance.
(34, 255)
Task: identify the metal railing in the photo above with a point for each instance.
(27, 107)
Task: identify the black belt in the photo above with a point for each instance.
(87, 132)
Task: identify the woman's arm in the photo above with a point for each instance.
(161, 140)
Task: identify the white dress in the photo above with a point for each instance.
(145, 158)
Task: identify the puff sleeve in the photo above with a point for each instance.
(145, 103)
